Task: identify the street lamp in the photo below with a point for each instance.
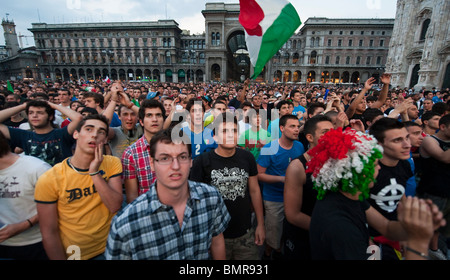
(108, 53)
(190, 54)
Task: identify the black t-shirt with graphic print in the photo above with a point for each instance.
(389, 188)
(230, 176)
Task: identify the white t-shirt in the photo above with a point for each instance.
(17, 204)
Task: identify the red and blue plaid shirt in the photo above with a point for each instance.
(136, 164)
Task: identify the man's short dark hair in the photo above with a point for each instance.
(445, 120)
(193, 101)
(285, 118)
(311, 124)
(93, 117)
(98, 98)
(429, 115)
(41, 104)
(150, 104)
(165, 136)
(246, 104)
(409, 124)
(281, 103)
(440, 108)
(370, 114)
(313, 106)
(222, 119)
(379, 128)
(89, 110)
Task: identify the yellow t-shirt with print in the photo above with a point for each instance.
(83, 219)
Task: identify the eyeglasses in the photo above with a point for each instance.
(168, 160)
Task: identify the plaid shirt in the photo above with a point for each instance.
(148, 230)
(136, 164)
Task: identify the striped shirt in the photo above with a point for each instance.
(136, 164)
(149, 230)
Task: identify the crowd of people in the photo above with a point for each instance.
(238, 171)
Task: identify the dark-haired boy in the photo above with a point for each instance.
(46, 142)
(234, 173)
(137, 174)
(273, 161)
(391, 182)
(77, 198)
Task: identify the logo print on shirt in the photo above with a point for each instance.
(231, 183)
(388, 198)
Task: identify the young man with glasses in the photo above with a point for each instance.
(176, 219)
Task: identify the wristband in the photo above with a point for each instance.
(418, 253)
(95, 173)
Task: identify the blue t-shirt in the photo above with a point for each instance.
(298, 109)
(200, 142)
(411, 184)
(52, 147)
(115, 122)
(276, 160)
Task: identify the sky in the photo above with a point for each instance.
(186, 12)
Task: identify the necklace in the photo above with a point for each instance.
(73, 167)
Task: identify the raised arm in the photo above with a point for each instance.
(71, 114)
(386, 80)
(352, 108)
(6, 114)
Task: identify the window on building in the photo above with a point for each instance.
(358, 60)
(381, 43)
(350, 43)
(313, 58)
(371, 43)
(368, 60)
(379, 60)
(347, 60)
(327, 60)
(329, 42)
(361, 43)
(202, 57)
(339, 43)
(338, 60)
(425, 26)
(168, 58)
(217, 39)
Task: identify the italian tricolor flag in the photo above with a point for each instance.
(268, 25)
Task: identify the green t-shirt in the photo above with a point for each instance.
(254, 141)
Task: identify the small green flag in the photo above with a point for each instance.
(10, 87)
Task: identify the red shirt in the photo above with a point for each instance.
(136, 164)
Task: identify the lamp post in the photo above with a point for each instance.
(108, 53)
(190, 53)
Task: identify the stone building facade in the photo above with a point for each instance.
(157, 51)
(334, 51)
(16, 63)
(323, 51)
(420, 47)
